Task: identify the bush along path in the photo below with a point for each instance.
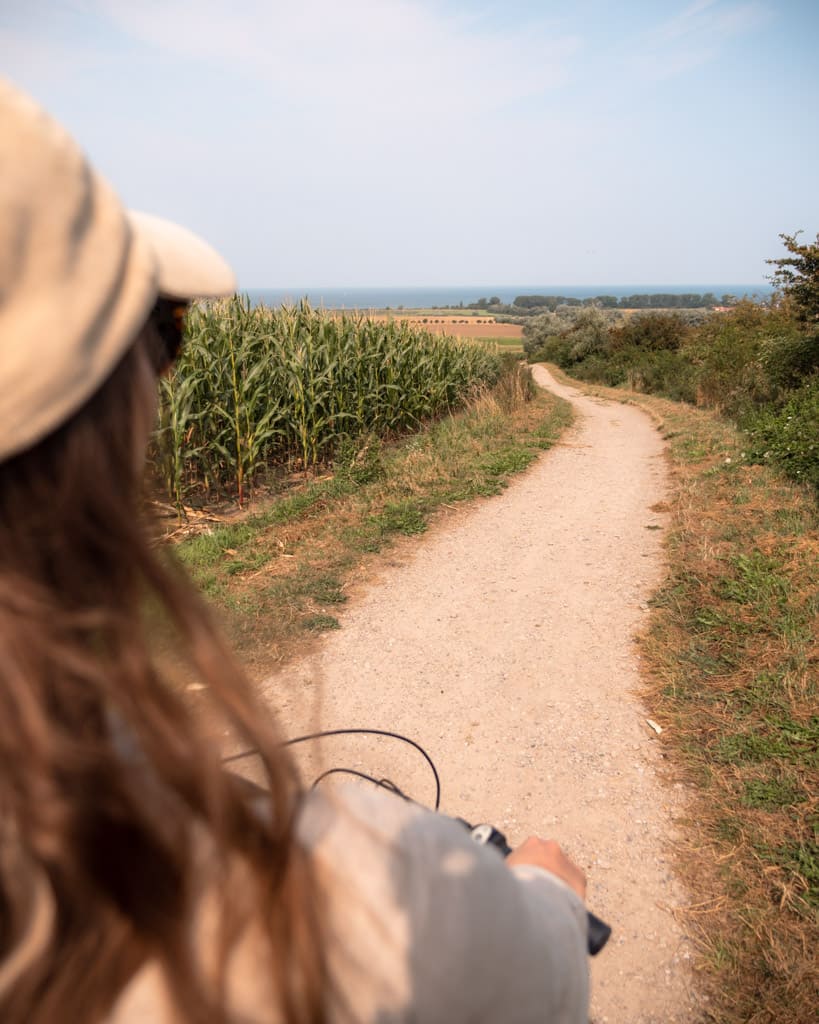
(504, 644)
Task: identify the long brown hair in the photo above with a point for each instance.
(109, 790)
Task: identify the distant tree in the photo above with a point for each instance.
(568, 335)
(494, 301)
(588, 334)
(542, 329)
(668, 300)
(553, 302)
(797, 276)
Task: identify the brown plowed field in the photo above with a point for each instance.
(461, 327)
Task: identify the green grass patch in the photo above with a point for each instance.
(800, 861)
(508, 461)
(320, 623)
(406, 517)
(772, 793)
(326, 589)
(771, 740)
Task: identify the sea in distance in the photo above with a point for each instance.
(436, 297)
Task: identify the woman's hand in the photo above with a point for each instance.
(546, 853)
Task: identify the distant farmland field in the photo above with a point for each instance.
(460, 326)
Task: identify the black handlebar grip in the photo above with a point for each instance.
(599, 933)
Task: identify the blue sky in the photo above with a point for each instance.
(423, 142)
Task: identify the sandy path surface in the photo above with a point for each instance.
(503, 643)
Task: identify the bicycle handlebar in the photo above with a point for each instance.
(488, 835)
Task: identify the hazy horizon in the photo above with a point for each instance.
(396, 296)
(538, 289)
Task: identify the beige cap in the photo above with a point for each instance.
(78, 274)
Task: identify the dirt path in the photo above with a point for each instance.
(503, 643)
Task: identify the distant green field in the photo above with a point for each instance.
(511, 345)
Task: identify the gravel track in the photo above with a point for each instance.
(503, 642)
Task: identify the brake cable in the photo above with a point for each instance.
(384, 783)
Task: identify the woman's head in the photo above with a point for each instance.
(86, 323)
(107, 783)
(79, 275)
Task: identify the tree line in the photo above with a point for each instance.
(528, 305)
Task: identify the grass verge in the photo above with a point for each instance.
(732, 669)
(281, 574)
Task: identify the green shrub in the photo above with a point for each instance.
(790, 358)
(552, 349)
(588, 334)
(658, 373)
(727, 354)
(789, 436)
(651, 332)
(597, 369)
(662, 372)
(539, 333)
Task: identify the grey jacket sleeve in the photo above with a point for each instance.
(463, 937)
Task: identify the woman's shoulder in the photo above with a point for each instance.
(392, 853)
(362, 818)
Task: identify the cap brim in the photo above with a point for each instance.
(187, 267)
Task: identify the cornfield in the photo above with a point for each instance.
(257, 388)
